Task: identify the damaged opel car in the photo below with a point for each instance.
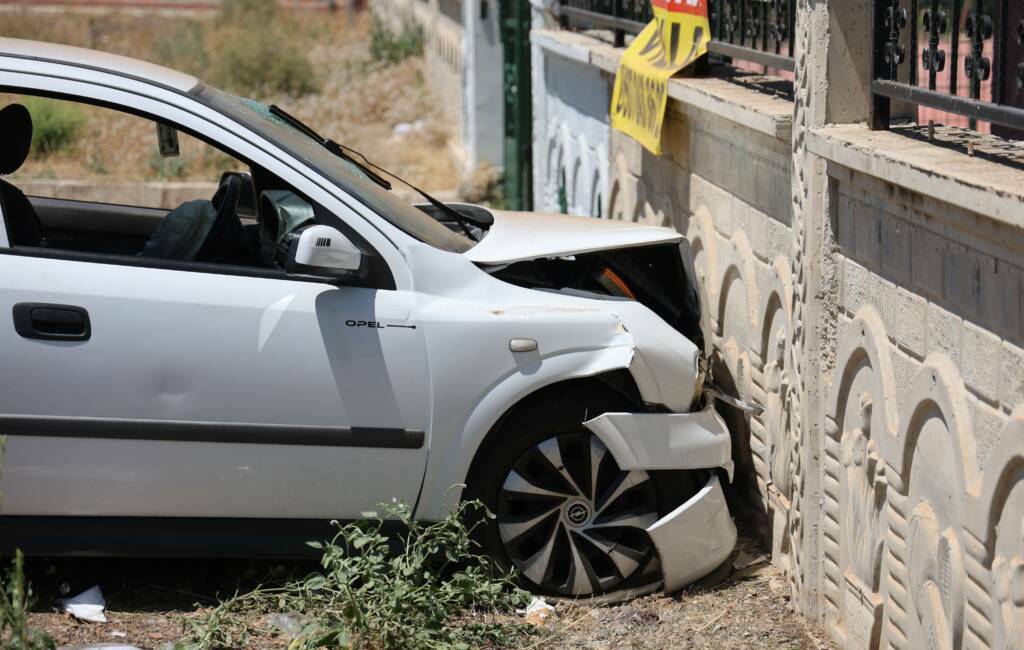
(228, 375)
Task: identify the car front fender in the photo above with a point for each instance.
(452, 455)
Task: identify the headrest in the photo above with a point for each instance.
(15, 137)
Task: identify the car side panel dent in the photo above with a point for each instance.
(645, 380)
(452, 290)
(695, 538)
(665, 441)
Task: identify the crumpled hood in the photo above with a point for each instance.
(520, 236)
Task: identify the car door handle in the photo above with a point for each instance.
(37, 320)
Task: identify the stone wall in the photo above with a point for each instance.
(922, 452)
(866, 289)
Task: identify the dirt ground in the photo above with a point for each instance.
(750, 608)
(150, 604)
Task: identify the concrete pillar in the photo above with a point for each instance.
(832, 86)
(484, 92)
(541, 17)
(833, 79)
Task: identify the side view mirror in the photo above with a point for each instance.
(323, 251)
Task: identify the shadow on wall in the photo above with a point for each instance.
(744, 498)
(646, 188)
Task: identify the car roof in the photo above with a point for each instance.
(94, 59)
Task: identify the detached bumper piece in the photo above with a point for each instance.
(695, 538)
(654, 441)
(699, 535)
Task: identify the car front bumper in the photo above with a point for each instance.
(699, 535)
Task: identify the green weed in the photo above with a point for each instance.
(438, 592)
(391, 48)
(15, 599)
(56, 125)
(260, 64)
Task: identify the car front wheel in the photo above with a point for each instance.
(567, 517)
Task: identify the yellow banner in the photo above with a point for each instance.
(677, 36)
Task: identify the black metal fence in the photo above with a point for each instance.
(964, 57)
(759, 31)
(754, 30)
(621, 16)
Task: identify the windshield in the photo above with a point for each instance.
(343, 173)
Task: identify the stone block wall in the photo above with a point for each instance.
(866, 289)
(921, 536)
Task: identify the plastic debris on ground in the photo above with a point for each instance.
(86, 606)
(538, 612)
(289, 625)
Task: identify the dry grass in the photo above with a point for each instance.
(749, 609)
(358, 102)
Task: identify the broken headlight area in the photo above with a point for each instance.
(660, 276)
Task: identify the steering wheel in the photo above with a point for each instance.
(224, 233)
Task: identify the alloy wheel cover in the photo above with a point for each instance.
(571, 521)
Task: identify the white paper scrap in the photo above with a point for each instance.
(87, 606)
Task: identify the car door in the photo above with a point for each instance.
(200, 394)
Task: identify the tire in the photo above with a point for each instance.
(535, 477)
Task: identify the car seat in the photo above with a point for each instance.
(20, 218)
(205, 231)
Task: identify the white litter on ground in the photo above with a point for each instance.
(288, 625)
(538, 611)
(87, 606)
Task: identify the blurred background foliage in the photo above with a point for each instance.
(348, 75)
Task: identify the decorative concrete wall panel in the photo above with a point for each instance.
(570, 138)
(878, 319)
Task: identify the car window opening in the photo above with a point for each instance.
(250, 220)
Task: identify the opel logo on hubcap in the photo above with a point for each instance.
(577, 514)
